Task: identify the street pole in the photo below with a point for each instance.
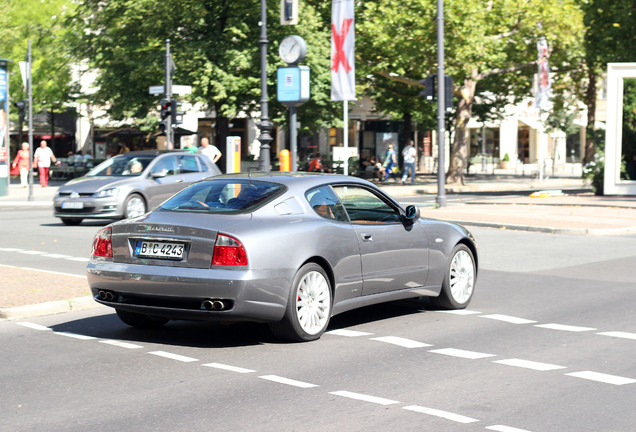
(293, 137)
(30, 96)
(441, 107)
(264, 125)
(167, 90)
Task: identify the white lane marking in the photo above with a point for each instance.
(287, 381)
(75, 335)
(56, 256)
(502, 428)
(78, 259)
(564, 327)
(173, 356)
(459, 312)
(529, 364)
(439, 413)
(462, 353)
(403, 342)
(601, 377)
(363, 397)
(508, 319)
(33, 326)
(10, 249)
(43, 271)
(348, 333)
(31, 252)
(228, 367)
(618, 334)
(121, 344)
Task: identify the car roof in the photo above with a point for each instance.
(288, 178)
(149, 152)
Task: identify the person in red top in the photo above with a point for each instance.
(21, 162)
(315, 165)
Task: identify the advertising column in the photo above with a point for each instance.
(4, 128)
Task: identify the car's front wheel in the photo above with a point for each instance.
(134, 206)
(308, 308)
(140, 320)
(459, 281)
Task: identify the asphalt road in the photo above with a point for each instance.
(546, 345)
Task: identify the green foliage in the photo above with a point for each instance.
(506, 158)
(595, 171)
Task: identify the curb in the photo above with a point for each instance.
(48, 308)
(549, 230)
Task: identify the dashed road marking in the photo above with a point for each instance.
(173, 356)
(363, 397)
(348, 333)
(228, 368)
(508, 319)
(564, 327)
(287, 381)
(31, 252)
(439, 413)
(33, 326)
(403, 342)
(75, 336)
(454, 352)
(601, 377)
(527, 364)
(502, 428)
(459, 312)
(120, 344)
(617, 334)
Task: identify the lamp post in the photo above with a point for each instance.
(264, 125)
(441, 107)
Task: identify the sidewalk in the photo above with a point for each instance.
(567, 207)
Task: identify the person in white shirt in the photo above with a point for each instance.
(42, 159)
(409, 153)
(209, 150)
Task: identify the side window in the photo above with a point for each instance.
(188, 164)
(166, 166)
(325, 203)
(363, 206)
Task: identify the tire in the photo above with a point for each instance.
(134, 206)
(308, 307)
(140, 320)
(459, 280)
(71, 222)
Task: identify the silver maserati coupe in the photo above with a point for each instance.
(288, 249)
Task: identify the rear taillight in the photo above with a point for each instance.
(103, 244)
(228, 251)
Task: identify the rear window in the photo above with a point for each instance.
(223, 196)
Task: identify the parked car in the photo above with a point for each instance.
(129, 185)
(289, 249)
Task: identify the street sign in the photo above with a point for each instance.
(181, 89)
(155, 90)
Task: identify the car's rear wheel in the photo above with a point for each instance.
(459, 281)
(134, 206)
(71, 221)
(140, 320)
(308, 308)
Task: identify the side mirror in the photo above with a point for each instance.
(158, 174)
(412, 213)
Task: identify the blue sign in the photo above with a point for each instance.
(293, 85)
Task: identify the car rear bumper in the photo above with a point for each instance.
(181, 293)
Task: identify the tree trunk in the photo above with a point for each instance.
(590, 129)
(459, 149)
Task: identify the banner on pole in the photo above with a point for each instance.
(543, 85)
(343, 83)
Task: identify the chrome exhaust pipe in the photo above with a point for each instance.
(110, 296)
(212, 305)
(102, 295)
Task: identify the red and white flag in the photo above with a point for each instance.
(544, 84)
(343, 71)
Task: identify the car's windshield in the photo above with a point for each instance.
(123, 165)
(223, 196)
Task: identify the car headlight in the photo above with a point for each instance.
(107, 193)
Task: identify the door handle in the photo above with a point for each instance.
(367, 237)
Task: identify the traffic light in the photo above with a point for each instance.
(177, 115)
(430, 91)
(448, 92)
(21, 106)
(166, 108)
(429, 83)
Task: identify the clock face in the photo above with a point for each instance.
(292, 49)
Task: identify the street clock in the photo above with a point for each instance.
(292, 49)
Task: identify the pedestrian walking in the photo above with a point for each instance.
(189, 146)
(390, 164)
(21, 163)
(209, 150)
(42, 159)
(409, 153)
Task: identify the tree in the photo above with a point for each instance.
(43, 24)
(610, 36)
(490, 49)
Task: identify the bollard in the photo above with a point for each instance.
(285, 160)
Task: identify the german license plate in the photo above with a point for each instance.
(72, 205)
(161, 250)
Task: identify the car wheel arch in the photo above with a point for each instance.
(473, 249)
(326, 267)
